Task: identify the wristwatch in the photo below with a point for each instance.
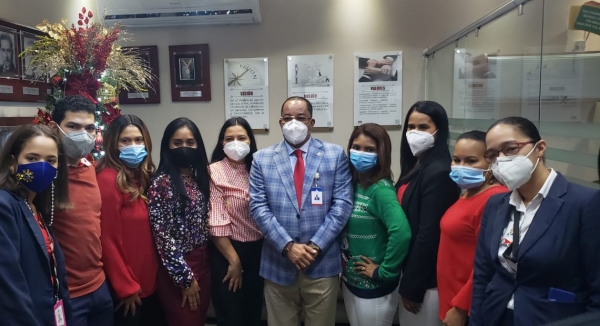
(315, 247)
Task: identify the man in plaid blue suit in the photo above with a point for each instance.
(301, 256)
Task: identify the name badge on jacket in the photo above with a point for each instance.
(316, 196)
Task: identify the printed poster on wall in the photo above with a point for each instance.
(561, 90)
(311, 77)
(247, 90)
(476, 87)
(378, 88)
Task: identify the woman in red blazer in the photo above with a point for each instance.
(130, 260)
(460, 226)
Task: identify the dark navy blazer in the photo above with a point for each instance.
(26, 293)
(561, 249)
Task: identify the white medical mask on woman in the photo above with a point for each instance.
(514, 171)
(236, 150)
(294, 131)
(420, 141)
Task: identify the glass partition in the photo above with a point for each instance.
(531, 64)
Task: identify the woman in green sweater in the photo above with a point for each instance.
(376, 238)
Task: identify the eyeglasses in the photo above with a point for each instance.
(510, 149)
(301, 118)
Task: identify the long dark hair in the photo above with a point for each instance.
(8, 164)
(199, 170)
(218, 154)
(383, 169)
(127, 177)
(439, 151)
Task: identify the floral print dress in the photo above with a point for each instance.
(179, 225)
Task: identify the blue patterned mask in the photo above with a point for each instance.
(467, 177)
(37, 176)
(133, 155)
(362, 161)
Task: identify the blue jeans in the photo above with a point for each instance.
(93, 309)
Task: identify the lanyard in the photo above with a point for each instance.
(53, 271)
(511, 254)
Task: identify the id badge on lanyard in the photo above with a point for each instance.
(59, 314)
(59, 308)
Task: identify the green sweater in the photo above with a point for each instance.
(377, 229)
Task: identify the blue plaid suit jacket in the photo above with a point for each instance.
(274, 207)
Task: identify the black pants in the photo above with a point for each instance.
(150, 313)
(243, 307)
(508, 319)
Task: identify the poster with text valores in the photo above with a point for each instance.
(378, 88)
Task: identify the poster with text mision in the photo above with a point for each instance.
(378, 88)
(247, 90)
(311, 77)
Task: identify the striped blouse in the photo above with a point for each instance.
(229, 214)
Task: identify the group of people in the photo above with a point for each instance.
(122, 242)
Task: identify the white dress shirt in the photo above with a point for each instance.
(527, 214)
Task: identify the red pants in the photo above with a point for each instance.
(171, 295)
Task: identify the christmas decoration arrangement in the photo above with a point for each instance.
(86, 60)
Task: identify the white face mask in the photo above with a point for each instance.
(78, 144)
(236, 150)
(514, 171)
(294, 131)
(420, 141)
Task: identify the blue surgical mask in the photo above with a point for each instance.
(467, 177)
(37, 176)
(362, 161)
(133, 155)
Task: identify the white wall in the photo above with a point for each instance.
(290, 27)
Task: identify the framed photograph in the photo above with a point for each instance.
(9, 53)
(190, 72)
(27, 40)
(152, 96)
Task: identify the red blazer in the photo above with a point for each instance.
(130, 260)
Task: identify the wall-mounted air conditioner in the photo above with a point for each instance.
(151, 13)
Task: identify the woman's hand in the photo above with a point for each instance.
(411, 306)
(129, 304)
(234, 276)
(192, 296)
(365, 267)
(455, 317)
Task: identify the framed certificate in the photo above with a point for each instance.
(190, 72)
(152, 95)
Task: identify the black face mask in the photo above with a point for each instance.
(184, 157)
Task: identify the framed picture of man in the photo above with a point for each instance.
(27, 40)
(190, 72)
(152, 95)
(9, 52)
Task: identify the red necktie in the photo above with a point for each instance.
(299, 176)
